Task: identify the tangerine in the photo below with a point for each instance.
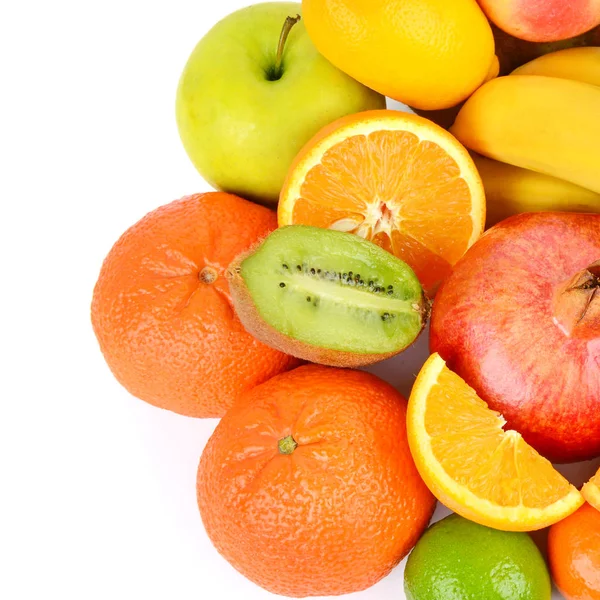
(162, 312)
(574, 554)
(307, 486)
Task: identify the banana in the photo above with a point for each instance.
(579, 64)
(545, 124)
(511, 190)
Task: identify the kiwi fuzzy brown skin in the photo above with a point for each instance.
(255, 325)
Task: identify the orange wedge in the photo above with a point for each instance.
(393, 178)
(475, 467)
(591, 490)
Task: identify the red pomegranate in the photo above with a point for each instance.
(519, 320)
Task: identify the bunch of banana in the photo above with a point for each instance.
(541, 127)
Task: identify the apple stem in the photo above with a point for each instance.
(285, 32)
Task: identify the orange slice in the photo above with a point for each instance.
(393, 178)
(591, 490)
(475, 467)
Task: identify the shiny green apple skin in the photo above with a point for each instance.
(241, 129)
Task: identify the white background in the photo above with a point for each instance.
(98, 488)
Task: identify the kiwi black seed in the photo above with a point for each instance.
(348, 302)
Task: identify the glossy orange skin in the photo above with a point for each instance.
(494, 322)
(574, 554)
(337, 514)
(168, 337)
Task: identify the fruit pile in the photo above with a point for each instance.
(320, 478)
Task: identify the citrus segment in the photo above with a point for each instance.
(395, 179)
(591, 490)
(473, 465)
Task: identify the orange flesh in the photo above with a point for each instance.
(591, 491)
(469, 442)
(404, 194)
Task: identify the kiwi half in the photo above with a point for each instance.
(327, 297)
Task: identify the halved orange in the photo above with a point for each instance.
(591, 490)
(394, 178)
(475, 467)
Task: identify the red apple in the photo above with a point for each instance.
(519, 320)
(543, 20)
(513, 52)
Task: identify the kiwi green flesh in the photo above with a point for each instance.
(334, 290)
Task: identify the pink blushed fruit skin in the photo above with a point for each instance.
(543, 20)
(510, 323)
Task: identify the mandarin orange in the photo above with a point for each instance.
(307, 486)
(574, 554)
(162, 312)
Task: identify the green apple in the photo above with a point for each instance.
(253, 92)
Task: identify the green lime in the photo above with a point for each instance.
(457, 559)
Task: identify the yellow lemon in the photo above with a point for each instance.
(430, 54)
